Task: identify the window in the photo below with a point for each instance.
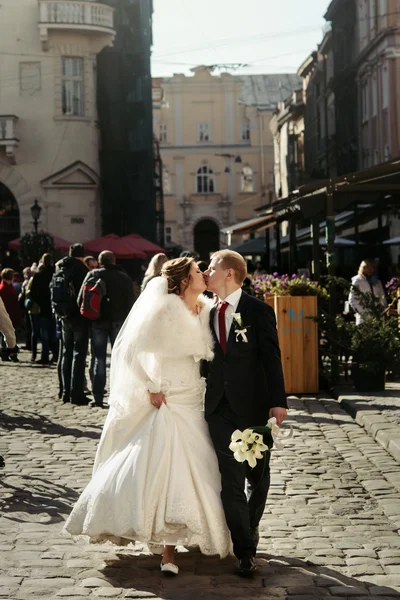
(72, 87)
(245, 132)
(168, 234)
(364, 101)
(385, 87)
(166, 181)
(247, 180)
(203, 133)
(163, 134)
(205, 180)
(374, 96)
(383, 8)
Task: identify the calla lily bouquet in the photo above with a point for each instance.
(252, 443)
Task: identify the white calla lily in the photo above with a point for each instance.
(236, 435)
(247, 435)
(251, 459)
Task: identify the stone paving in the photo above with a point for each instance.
(330, 530)
(379, 414)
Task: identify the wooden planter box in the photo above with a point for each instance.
(298, 340)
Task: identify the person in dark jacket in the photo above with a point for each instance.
(114, 310)
(75, 331)
(40, 293)
(245, 387)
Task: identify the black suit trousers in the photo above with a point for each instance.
(243, 504)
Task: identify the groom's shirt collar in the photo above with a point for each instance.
(233, 299)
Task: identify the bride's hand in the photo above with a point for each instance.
(157, 399)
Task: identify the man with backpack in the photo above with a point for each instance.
(106, 297)
(65, 286)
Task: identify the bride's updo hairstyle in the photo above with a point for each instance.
(175, 272)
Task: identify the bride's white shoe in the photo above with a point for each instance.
(170, 568)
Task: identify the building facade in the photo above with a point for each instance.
(378, 81)
(49, 138)
(287, 128)
(217, 151)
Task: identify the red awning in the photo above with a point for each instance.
(121, 247)
(59, 244)
(147, 247)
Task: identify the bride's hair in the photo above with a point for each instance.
(175, 271)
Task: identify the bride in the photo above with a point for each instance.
(155, 476)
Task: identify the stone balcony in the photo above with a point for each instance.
(85, 16)
(8, 139)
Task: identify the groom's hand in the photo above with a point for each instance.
(157, 399)
(279, 413)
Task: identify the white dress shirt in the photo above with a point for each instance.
(233, 301)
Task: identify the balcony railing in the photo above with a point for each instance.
(86, 15)
(8, 138)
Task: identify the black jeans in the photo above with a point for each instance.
(102, 331)
(48, 335)
(75, 336)
(243, 507)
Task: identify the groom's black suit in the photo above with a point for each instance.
(243, 384)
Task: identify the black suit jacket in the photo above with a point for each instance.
(250, 374)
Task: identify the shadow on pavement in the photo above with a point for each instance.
(208, 578)
(26, 494)
(25, 421)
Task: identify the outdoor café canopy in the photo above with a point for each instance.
(146, 246)
(121, 247)
(59, 244)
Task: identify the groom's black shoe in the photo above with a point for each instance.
(247, 566)
(255, 534)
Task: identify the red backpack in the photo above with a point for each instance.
(91, 296)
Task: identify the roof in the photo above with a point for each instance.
(265, 91)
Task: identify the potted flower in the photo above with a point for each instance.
(294, 300)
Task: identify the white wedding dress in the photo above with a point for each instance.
(156, 477)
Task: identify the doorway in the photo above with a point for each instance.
(206, 238)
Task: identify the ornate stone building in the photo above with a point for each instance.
(217, 150)
(49, 140)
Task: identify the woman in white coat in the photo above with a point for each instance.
(366, 282)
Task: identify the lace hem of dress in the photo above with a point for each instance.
(187, 539)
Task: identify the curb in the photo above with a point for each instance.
(374, 422)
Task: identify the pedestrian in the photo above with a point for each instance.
(40, 294)
(259, 270)
(27, 275)
(91, 262)
(245, 387)
(154, 269)
(65, 286)
(366, 282)
(10, 299)
(115, 307)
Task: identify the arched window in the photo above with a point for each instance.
(166, 179)
(247, 180)
(205, 180)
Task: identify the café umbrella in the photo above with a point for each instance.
(119, 246)
(149, 248)
(59, 244)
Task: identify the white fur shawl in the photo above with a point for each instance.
(174, 331)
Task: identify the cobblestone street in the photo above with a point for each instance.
(330, 530)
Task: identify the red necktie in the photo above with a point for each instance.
(222, 306)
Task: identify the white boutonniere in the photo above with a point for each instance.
(240, 330)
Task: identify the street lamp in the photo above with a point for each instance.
(35, 212)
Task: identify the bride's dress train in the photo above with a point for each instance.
(156, 477)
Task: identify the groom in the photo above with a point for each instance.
(245, 388)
